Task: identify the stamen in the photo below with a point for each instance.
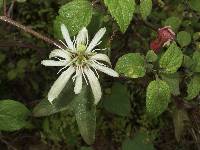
(84, 75)
(63, 43)
(99, 63)
(96, 71)
(59, 46)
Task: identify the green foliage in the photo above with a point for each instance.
(23, 77)
(45, 108)
(174, 22)
(196, 61)
(173, 81)
(172, 59)
(195, 5)
(179, 118)
(131, 65)
(122, 11)
(193, 88)
(151, 56)
(85, 109)
(118, 102)
(145, 8)
(13, 115)
(141, 141)
(75, 15)
(157, 97)
(183, 38)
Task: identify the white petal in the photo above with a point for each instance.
(53, 63)
(60, 83)
(101, 57)
(96, 39)
(66, 36)
(82, 37)
(60, 53)
(95, 85)
(78, 82)
(105, 70)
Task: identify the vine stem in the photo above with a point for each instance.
(28, 30)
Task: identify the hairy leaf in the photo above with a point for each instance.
(157, 97)
(179, 118)
(184, 38)
(85, 109)
(131, 65)
(122, 11)
(13, 115)
(173, 81)
(75, 15)
(145, 8)
(118, 102)
(196, 61)
(172, 59)
(193, 87)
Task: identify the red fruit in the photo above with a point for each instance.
(155, 45)
(164, 36)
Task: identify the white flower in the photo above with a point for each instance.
(79, 58)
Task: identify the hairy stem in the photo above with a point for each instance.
(28, 30)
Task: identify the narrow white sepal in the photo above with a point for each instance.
(101, 57)
(105, 70)
(53, 63)
(60, 53)
(95, 85)
(66, 36)
(82, 37)
(78, 82)
(96, 39)
(60, 83)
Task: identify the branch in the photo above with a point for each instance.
(28, 30)
(20, 44)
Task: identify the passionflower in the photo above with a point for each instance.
(79, 60)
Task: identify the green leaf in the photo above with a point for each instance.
(187, 61)
(173, 81)
(184, 38)
(1, 3)
(131, 65)
(85, 110)
(45, 108)
(196, 61)
(122, 11)
(13, 115)
(145, 8)
(179, 118)
(174, 22)
(151, 56)
(141, 141)
(86, 148)
(172, 59)
(119, 100)
(193, 88)
(195, 5)
(75, 15)
(157, 97)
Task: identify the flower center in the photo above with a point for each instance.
(81, 48)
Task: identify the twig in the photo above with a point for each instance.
(21, 44)
(26, 29)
